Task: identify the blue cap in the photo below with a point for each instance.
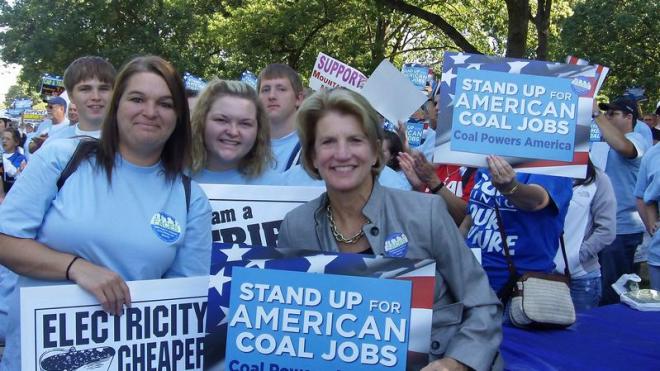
(57, 100)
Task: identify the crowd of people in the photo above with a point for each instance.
(138, 138)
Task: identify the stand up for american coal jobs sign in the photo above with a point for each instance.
(332, 323)
(536, 114)
(291, 309)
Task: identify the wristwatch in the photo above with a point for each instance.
(435, 189)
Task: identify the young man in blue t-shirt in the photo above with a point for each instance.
(627, 146)
(281, 92)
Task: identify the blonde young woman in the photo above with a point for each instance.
(231, 136)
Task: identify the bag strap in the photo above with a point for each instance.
(510, 286)
(509, 261)
(567, 272)
(186, 188)
(86, 146)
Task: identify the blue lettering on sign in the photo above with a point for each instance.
(415, 131)
(514, 115)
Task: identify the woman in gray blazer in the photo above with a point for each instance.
(341, 140)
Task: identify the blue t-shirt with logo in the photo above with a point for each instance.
(532, 236)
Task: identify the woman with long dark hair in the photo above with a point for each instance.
(124, 213)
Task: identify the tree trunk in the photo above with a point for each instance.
(516, 41)
(542, 23)
(378, 43)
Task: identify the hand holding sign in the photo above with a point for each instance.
(502, 174)
(107, 286)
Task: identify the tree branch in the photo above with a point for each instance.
(436, 20)
(417, 49)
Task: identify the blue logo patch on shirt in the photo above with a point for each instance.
(165, 227)
(396, 245)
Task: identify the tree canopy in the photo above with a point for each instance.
(224, 38)
(621, 34)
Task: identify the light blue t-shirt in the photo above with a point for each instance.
(233, 176)
(283, 150)
(648, 189)
(73, 131)
(623, 174)
(645, 130)
(138, 227)
(47, 126)
(297, 176)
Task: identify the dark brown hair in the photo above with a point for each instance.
(175, 156)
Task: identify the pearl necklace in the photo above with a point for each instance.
(340, 237)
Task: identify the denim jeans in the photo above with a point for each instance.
(615, 260)
(654, 276)
(586, 292)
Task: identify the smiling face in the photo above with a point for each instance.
(343, 154)
(230, 132)
(145, 117)
(91, 98)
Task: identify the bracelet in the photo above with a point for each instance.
(69, 268)
(435, 189)
(511, 191)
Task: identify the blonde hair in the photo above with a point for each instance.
(260, 156)
(345, 102)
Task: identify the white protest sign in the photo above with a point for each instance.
(392, 94)
(253, 214)
(329, 73)
(64, 327)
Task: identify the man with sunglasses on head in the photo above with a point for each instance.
(620, 129)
